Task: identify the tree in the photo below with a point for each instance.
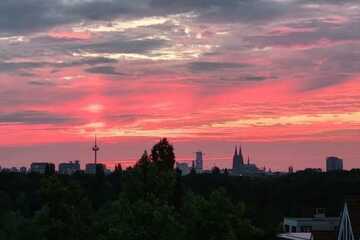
(138, 220)
(216, 217)
(66, 212)
(118, 168)
(144, 161)
(215, 170)
(147, 181)
(162, 154)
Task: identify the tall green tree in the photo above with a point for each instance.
(162, 154)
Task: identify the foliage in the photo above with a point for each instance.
(153, 201)
(162, 154)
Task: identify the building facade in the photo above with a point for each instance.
(42, 168)
(69, 168)
(323, 224)
(198, 161)
(334, 164)
(92, 168)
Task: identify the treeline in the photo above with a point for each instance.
(152, 201)
(148, 201)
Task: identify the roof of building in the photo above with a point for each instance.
(313, 219)
(324, 235)
(296, 236)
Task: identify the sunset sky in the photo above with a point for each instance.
(280, 77)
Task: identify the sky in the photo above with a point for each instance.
(279, 77)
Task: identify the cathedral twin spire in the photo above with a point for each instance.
(238, 158)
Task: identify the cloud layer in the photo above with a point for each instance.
(192, 70)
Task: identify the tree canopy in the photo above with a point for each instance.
(151, 200)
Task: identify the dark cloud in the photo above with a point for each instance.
(33, 117)
(19, 97)
(330, 1)
(255, 78)
(86, 61)
(100, 10)
(311, 34)
(227, 10)
(26, 74)
(13, 66)
(123, 46)
(131, 118)
(41, 83)
(32, 15)
(55, 40)
(22, 16)
(103, 70)
(214, 66)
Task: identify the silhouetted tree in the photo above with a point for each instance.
(162, 154)
(215, 170)
(50, 169)
(143, 166)
(100, 171)
(144, 161)
(179, 191)
(118, 168)
(139, 220)
(66, 213)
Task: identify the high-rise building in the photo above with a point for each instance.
(92, 168)
(334, 164)
(42, 168)
(198, 161)
(69, 168)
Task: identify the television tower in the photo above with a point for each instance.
(95, 149)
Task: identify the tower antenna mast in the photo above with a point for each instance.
(95, 149)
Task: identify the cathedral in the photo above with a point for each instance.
(238, 158)
(240, 168)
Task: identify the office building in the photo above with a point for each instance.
(198, 161)
(318, 223)
(334, 164)
(92, 168)
(69, 168)
(42, 168)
